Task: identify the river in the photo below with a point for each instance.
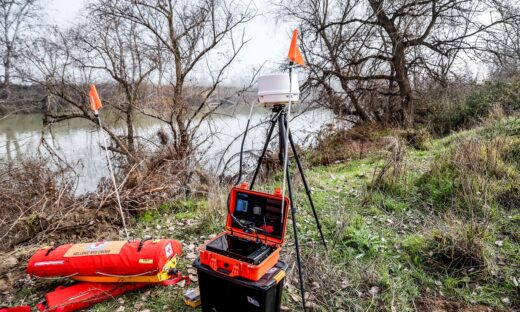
(76, 141)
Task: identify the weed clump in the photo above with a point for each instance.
(457, 249)
(511, 152)
(391, 176)
(468, 178)
(419, 139)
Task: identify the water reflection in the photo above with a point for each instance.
(76, 141)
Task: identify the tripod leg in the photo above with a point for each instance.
(307, 190)
(264, 150)
(295, 229)
(283, 145)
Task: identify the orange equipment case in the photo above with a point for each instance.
(267, 236)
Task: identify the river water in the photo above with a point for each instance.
(76, 141)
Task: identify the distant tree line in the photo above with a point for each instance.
(367, 59)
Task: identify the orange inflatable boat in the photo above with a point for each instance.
(139, 261)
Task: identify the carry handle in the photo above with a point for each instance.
(141, 243)
(52, 249)
(235, 271)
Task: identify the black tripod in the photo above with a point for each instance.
(280, 118)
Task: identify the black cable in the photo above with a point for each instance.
(242, 151)
(252, 229)
(266, 145)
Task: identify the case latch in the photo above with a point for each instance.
(213, 263)
(236, 270)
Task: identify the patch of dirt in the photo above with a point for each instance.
(443, 305)
(12, 270)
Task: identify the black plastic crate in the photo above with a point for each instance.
(221, 293)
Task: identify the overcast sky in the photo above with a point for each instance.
(269, 37)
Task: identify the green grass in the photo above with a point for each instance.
(387, 247)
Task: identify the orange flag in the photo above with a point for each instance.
(294, 52)
(95, 102)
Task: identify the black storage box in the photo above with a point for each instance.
(220, 293)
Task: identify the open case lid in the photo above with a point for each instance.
(259, 211)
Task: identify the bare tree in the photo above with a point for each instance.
(166, 61)
(201, 40)
(110, 53)
(17, 17)
(371, 49)
(112, 50)
(503, 45)
(54, 64)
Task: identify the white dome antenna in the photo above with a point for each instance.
(278, 89)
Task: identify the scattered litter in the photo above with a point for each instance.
(374, 290)
(191, 256)
(192, 297)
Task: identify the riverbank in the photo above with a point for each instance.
(22, 99)
(76, 141)
(434, 228)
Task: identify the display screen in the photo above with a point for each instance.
(242, 205)
(263, 213)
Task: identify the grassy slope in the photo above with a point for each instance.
(388, 246)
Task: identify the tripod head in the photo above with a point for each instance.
(278, 108)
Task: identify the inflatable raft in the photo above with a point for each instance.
(138, 261)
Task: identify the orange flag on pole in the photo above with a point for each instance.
(95, 101)
(294, 52)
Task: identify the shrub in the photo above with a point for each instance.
(391, 176)
(38, 204)
(460, 113)
(340, 144)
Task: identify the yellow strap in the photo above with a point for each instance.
(159, 277)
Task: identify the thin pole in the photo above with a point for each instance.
(284, 119)
(286, 137)
(102, 138)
